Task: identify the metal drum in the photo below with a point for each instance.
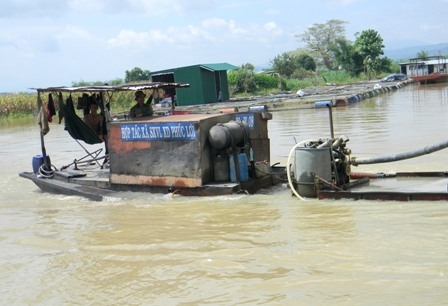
(221, 168)
(309, 162)
(224, 135)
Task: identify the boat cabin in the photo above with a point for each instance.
(426, 70)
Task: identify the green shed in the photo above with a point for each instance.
(208, 82)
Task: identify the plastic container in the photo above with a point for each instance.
(243, 167)
(38, 160)
(258, 108)
(221, 168)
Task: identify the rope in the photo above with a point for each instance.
(43, 172)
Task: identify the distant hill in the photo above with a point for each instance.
(410, 52)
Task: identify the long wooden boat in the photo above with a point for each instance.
(181, 152)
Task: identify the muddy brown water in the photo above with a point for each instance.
(269, 248)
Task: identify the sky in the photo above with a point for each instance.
(46, 43)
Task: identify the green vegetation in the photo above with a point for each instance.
(18, 105)
(24, 105)
(137, 74)
(327, 58)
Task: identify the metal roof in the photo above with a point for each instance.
(213, 67)
(219, 66)
(123, 87)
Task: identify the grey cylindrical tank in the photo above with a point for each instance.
(221, 135)
(308, 163)
(221, 168)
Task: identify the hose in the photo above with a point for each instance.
(400, 156)
(288, 171)
(45, 172)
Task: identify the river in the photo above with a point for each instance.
(268, 248)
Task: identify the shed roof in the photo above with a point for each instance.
(214, 67)
(219, 66)
(123, 87)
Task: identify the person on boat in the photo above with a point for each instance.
(141, 109)
(95, 120)
(97, 123)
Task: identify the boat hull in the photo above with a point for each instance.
(402, 186)
(431, 78)
(98, 189)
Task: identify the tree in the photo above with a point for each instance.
(369, 44)
(320, 37)
(346, 57)
(293, 63)
(243, 79)
(284, 64)
(306, 62)
(422, 54)
(137, 75)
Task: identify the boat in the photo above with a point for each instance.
(427, 70)
(171, 152)
(322, 169)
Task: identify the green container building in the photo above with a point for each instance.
(208, 82)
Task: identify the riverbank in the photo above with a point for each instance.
(312, 97)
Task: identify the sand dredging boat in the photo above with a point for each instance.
(193, 154)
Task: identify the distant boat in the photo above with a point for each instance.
(424, 70)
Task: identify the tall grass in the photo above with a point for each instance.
(20, 105)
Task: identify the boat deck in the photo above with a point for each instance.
(429, 187)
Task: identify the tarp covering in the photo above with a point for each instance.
(77, 128)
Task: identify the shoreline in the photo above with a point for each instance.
(312, 97)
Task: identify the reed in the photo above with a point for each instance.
(18, 105)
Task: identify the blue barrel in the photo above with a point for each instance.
(38, 160)
(243, 167)
(320, 104)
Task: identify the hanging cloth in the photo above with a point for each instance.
(51, 111)
(42, 118)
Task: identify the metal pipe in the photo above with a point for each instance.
(331, 120)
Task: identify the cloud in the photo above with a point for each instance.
(210, 31)
(273, 28)
(140, 7)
